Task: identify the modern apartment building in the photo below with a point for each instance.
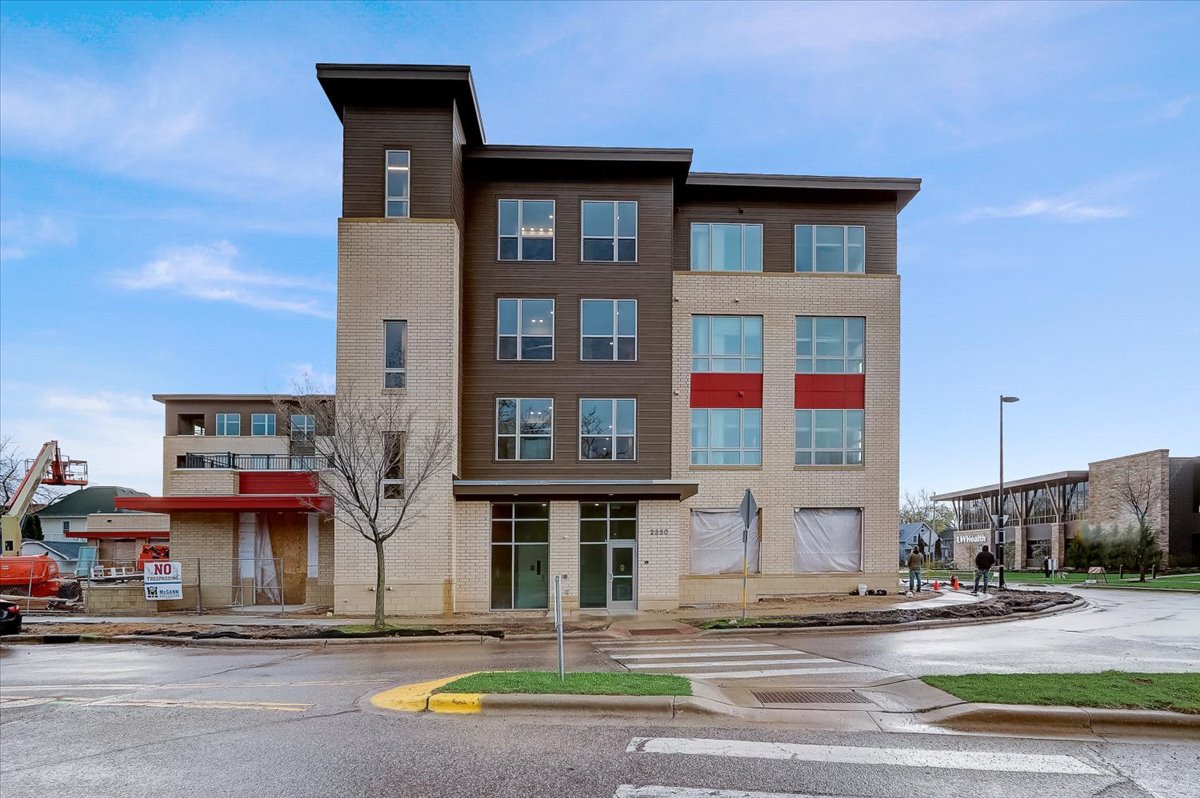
(623, 346)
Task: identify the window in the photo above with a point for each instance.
(395, 342)
(526, 230)
(393, 465)
(525, 329)
(524, 429)
(229, 424)
(610, 231)
(730, 436)
(66, 527)
(830, 344)
(262, 423)
(397, 179)
(520, 555)
(609, 329)
(607, 429)
(829, 437)
(716, 542)
(727, 343)
(831, 248)
(827, 540)
(727, 247)
(304, 429)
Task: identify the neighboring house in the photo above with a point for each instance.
(911, 535)
(623, 346)
(69, 513)
(66, 553)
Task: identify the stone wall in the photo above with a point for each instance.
(1148, 474)
(127, 599)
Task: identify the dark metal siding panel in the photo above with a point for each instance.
(779, 220)
(567, 280)
(457, 190)
(209, 409)
(426, 132)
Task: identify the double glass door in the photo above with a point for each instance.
(608, 555)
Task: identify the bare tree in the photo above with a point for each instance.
(1137, 496)
(375, 458)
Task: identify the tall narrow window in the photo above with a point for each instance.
(397, 184)
(830, 344)
(229, 424)
(727, 436)
(520, 555)
(395, 345)
(610, 231)
(393, 465)
(727, 344)
(831, 248)
(609, 329)
(525, 329)
(524, 429)
(607, 429)
(829, 437)
(727, 247)
(526, 230)
(262, 424)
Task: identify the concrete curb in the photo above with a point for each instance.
(663, 706)
(301, 642)
(1050, 720)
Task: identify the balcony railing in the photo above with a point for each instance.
(252, 462)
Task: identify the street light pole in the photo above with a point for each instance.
(1000, 519)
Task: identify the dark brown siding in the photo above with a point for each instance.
(210, 408)
(427, 133)
(779, 218)
(567, 280)
(457, 189)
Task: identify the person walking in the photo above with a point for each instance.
(916, 561)
(984, 561)
(1046, 567)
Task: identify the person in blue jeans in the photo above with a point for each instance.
(984, 561)
(915, 562)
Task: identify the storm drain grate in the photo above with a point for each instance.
(807, 697)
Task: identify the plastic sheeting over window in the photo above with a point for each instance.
(828, 540)
(717, 542)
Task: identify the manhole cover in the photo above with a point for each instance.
(807, 697)
(655, 632)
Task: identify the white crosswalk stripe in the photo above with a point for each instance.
(736, 658)
(660, 791)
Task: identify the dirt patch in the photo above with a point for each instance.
(200, 631)
(800, 605)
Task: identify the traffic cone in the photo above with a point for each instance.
(935, 586)
(954, 581)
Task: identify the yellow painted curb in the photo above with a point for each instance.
(412, 697)
(456, 703)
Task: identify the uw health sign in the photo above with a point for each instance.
(970, 539)
(163, 581)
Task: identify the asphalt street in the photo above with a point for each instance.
(101, 720)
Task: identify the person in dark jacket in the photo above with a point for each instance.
(1046, 567)
(984, 561)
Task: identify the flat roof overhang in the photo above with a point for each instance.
(507, 489)
(232, 397)
(1051, 480)
(247, 502)
(902, 189)
(118, 534)
(676, 161)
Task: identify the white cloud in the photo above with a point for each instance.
(309, 378)
(22, 235)
(1063, 209)
(1173, 109)
(209, 272)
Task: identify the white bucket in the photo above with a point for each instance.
(862, 590)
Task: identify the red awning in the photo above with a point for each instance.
(110, 534)
(236, 503)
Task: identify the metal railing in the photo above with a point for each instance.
(252, 462)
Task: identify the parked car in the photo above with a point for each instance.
(10, 617)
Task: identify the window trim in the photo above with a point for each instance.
(401, 370)
(814, 357)
(221, 422)
(615, 337)
(387, 198)
(268, 420)
(520, 300)
(742, 449)
(742, 356)
(616, 237)
(614, 435)
(520, 238)
(742, 269)
(516, 435)
(812, 431)
(845, 248)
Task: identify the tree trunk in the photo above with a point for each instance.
(380, 582)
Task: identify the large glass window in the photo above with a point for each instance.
(393, 465)
(229, 424)
(526, 230)
(727, 343)
(525, 329)
(395, 342)
(524, 429)
(727, 436)
(830, 344)
(262, 424)
(831, 248)
(520, 555)
(601, 524)
(397, 184)
(610, 231)
(303, 429)
(609, 329)
(607, 429)
(727, 247)
(829, 437)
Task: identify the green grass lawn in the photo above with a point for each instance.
(547, 682)
(1111, 689)
(1175, 582)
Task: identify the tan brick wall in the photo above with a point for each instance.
(211, 538)
(472, 557)
(401, 269)
(658, 550)
(564, 552)
(185, 481)
(129, 522)
(1148, 472)
(778, 485)
(119, 600)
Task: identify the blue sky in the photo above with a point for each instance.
(169, 188)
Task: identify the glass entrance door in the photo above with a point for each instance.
(622, 563)
(608, 555)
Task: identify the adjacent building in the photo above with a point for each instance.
(67, 516)
(622, 347)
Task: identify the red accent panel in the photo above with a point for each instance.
(248, 503)
(121, 535)
(277, 482)
(727, 390)
(831, 391)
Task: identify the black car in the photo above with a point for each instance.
(10, 618)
